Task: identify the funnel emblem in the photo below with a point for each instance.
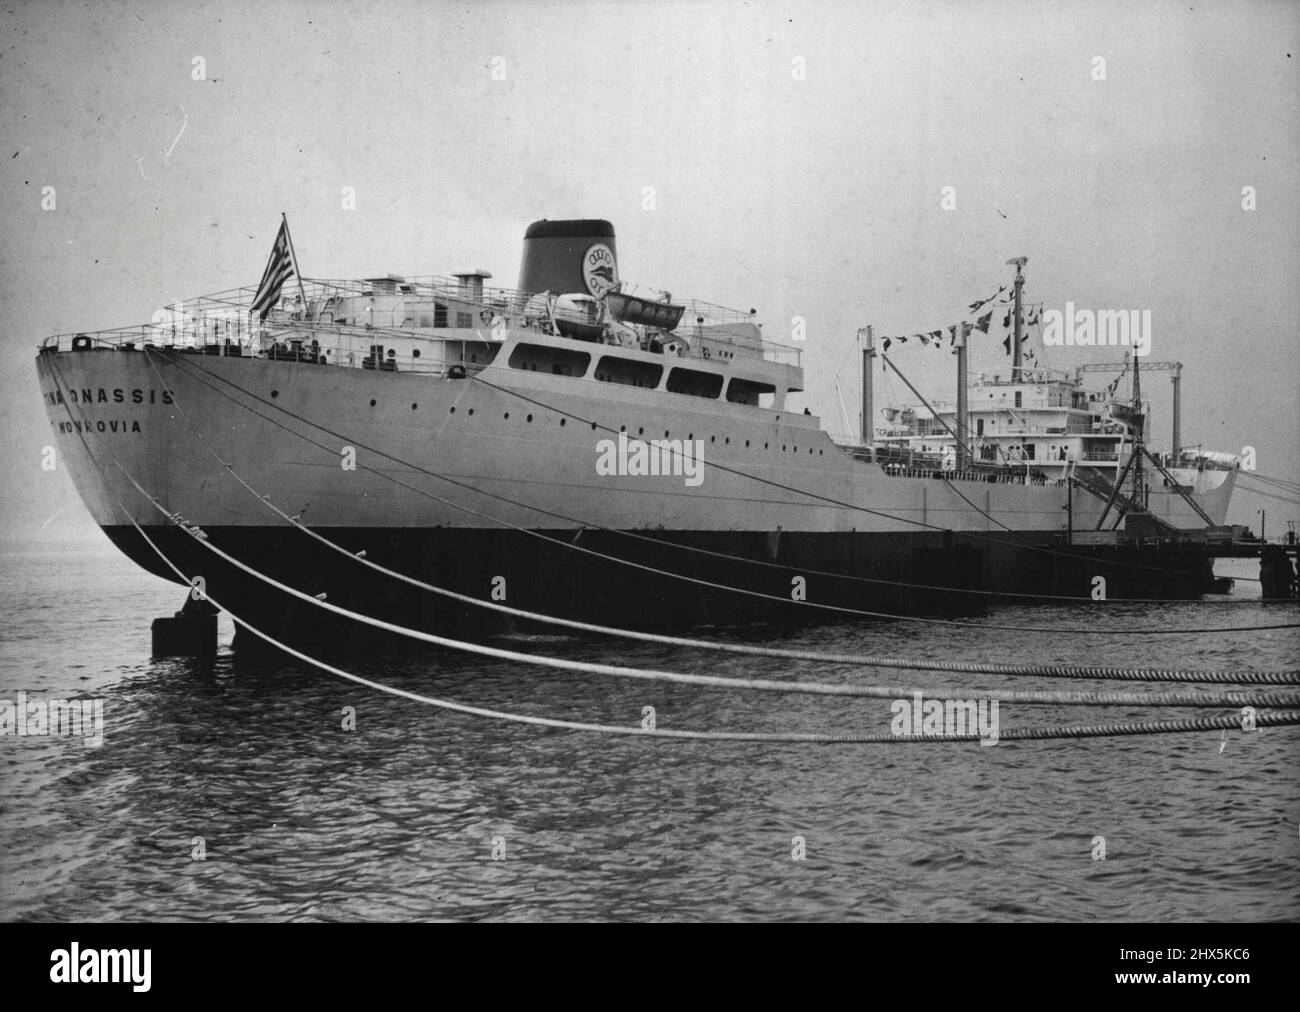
(599, 270)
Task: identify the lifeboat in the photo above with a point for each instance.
(1124, 413)
(627, 307)
(578, 317)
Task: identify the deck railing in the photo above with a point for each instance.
(419, 309)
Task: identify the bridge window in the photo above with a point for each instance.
(611, 369)
(559, 361)
(743, 391)
(695, 383)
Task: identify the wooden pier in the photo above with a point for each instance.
(1277, 559)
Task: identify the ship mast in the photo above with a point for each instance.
(1138, 423)
(964, 459)
(1018, 263)
(868, 353)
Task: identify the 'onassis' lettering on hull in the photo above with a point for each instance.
(106, 395)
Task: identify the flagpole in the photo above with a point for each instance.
(294, 256)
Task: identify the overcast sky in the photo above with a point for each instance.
(798, 155)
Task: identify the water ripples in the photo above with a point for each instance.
(397, 820)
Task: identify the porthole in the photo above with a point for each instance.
(506, 416)
(529, 418)
(471, 411)
(415, 353)
(372, 402)
(593, 426)
(453, 409)
(414, 405)
(561, 423)
(276, 393)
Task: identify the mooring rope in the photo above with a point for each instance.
(1112, 730)
(1222, 722)
(987, 516)
(1192, 699)
(1061, 630)
(1285, 677)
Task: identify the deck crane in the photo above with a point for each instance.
(1140, 450)
(1176, 379)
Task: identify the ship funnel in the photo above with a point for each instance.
(569, 257)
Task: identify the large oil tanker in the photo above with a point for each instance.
(580, 447)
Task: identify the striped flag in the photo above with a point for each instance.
(278, 270)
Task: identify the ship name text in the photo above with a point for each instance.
(104, 395)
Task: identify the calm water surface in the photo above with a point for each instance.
(396, 820)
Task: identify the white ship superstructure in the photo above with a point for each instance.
(1044, 423)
